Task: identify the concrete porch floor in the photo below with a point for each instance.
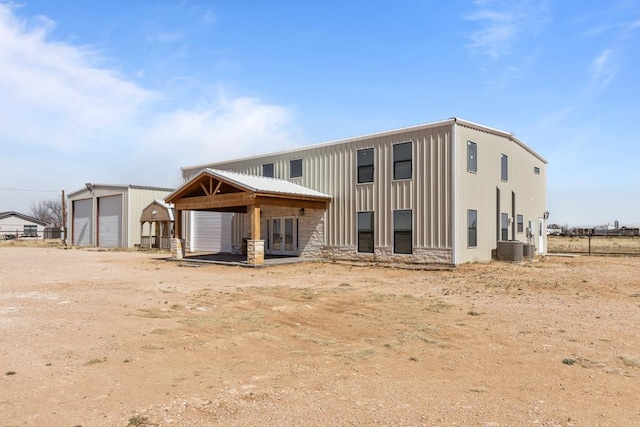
(241, 260)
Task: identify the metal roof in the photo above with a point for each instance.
(120, 186)
(263, 184)
(8, 214)
(450, 121)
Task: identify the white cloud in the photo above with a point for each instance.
(502, 22)
(166, 36)
(226, 128)
(54, 94)
(602, 70)
(61, 108)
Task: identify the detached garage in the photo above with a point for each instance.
(107, 216)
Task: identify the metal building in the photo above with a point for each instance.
(442, 192)
(107, 216)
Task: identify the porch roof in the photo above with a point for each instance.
(219, 190)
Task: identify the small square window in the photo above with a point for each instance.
(365, 165)
(267, 170)
(504, 167)
(295, 168)
(402, 161)
(536, 170)
(472, 157)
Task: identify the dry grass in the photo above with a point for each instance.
(599, 245)
(32, 243)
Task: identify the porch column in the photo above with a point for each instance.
(177, 229)
(177, 243)
(255, 246)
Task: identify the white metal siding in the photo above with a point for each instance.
(137, 199)
(332, 169)
(110, 222)
(477, 191)
(82, 214)
(211, 232)
(15, 226)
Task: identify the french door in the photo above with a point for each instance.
(283, 236)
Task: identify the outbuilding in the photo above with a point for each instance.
(107, 216)
(14, 225)
(158, 216)
(443, 192)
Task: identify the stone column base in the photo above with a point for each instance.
(177, 248)
(255, 252)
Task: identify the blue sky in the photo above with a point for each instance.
(127, 92)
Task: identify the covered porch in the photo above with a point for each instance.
(250, 195)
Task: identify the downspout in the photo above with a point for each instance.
(454, 192)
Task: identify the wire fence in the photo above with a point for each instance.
(595, 245)
(27, 234)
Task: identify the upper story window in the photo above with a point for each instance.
(267, 170)
(536, 170)
(504, 167)
(402, 161)
(365, 165)
(472, 157)
(295, 168)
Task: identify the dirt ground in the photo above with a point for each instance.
(91, 338)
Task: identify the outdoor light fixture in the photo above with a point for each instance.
(546, 215)
(301, 212)
(89, 186)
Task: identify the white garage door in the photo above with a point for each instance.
(82, 222)
(211, 232)
(110, 222)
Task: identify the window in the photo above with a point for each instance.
(504, 167)
(402, 161)
(472, 157)
(295, 168)
(365, 232)
(365, 165)
(520, 222)
(30, 231)
(402, 232)
(472, 228)
(267, 170)
(504, 226)
(536, 170)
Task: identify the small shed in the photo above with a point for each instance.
(159, 215)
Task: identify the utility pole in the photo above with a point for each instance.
(64, 219)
